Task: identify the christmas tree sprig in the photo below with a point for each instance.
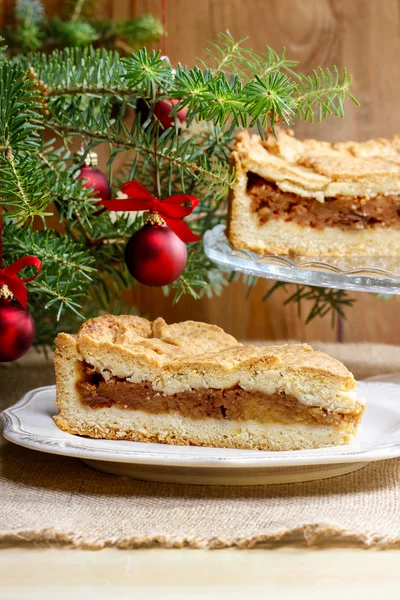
(209, 95)
(95, 95)
(324, 301)
(24, 190)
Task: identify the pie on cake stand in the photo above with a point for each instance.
(317, 213)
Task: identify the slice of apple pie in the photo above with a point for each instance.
(190, 383)
(315, 198)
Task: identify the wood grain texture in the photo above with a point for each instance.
(285, 573)
(362, 35)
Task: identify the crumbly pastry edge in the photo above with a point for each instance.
(317, 170)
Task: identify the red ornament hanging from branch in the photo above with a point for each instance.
(17, 327)
(162, 110)
(156, 255)
(94, 178)
(17, 330)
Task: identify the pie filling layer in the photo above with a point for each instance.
(345, 212)
(233, 404)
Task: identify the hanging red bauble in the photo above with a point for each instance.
(155, 255)
(17, 327)
(95, 178)
(17, 330)
(162, 110)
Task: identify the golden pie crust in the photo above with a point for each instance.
(197, 361)
(314, 169)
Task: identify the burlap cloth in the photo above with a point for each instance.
(46, 499)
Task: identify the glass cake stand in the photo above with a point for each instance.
(361, 274)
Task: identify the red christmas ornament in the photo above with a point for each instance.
(162, 110)
(17, 327)
(155, 255)
(17, 330)
(95, 178)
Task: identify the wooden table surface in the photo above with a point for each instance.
(284, 573)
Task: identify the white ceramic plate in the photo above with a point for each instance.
(29, 423)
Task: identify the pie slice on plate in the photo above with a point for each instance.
(190, 383)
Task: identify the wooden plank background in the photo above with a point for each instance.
(362, 35)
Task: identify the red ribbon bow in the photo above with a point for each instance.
(9, 277)
(170, 209)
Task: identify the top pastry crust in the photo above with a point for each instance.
(320, 170)
(194, 355)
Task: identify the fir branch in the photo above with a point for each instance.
(24, 189)
(324, 301)
(228, 55)
(90, 90)
(147, 72)
(65, 189)
(270, 62)
(32, 31)
(74, 33)
(176, 154)
(29, 12)
(224, 52)
(58, 294)
(90, 239)
(200, 278)
(20, 106)
(28, 32)
(130, 34)
(46, 245)
(323, 92)
(76, 68)
(270, 98)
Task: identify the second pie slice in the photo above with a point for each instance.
(315, 198)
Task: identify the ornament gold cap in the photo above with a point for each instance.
(153, 218)
(6, 293)
(91, 158)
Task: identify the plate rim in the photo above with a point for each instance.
(14, 432)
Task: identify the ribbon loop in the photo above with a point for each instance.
(171, 209)
(9, 277)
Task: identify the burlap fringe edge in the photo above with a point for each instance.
(309, 535)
